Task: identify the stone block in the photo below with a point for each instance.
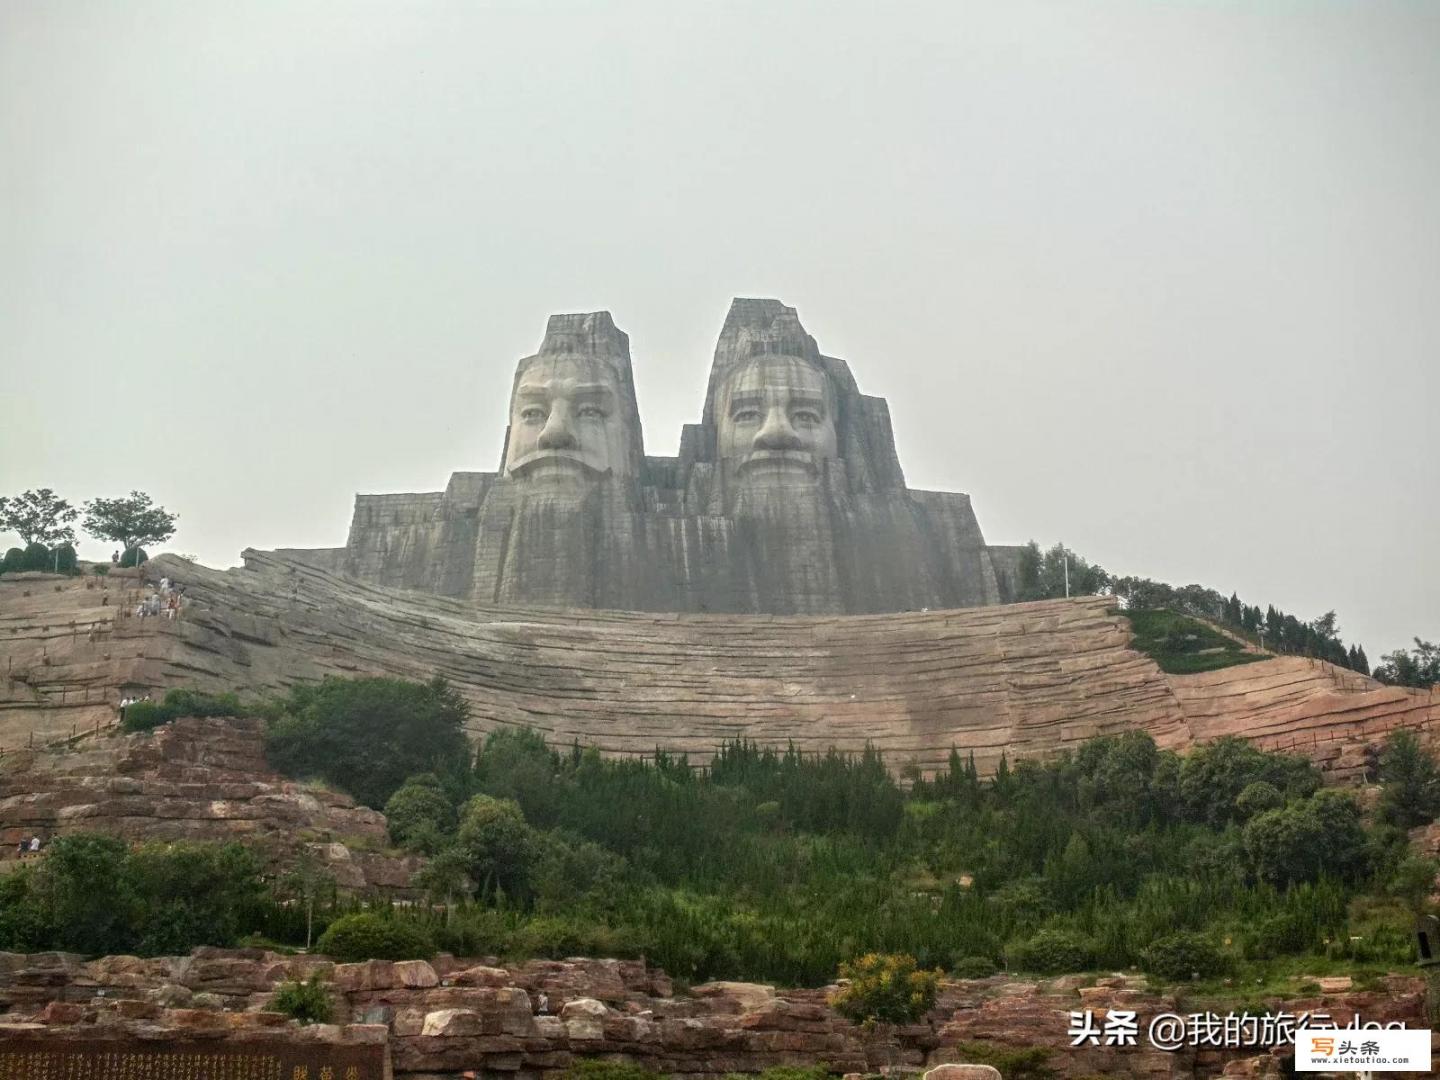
(415, 974)
(450, 1023)
(963, 1072)
(62, 1012)
(366, 975)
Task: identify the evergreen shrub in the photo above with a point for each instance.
(973, 967)
(307, 1001)
(147, 715)
(1052, 952)
(366, 936)
(1185, 955)
(885, 988)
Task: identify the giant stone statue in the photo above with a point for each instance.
(787, 497)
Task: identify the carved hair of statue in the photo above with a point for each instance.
(573, 417)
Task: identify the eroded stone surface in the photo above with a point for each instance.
(193, 780)
(1023, 679)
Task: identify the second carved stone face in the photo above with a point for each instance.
(776, 421)
(567, 425)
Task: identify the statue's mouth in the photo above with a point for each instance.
(779, 464)
(557, 464)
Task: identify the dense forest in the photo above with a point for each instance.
(781, 866)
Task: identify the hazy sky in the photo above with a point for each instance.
(1160, 280)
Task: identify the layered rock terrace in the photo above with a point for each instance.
(1023, 679)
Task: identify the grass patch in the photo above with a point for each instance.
(1184, 646)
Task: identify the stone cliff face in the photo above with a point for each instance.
(1025, 679)
(193, 780)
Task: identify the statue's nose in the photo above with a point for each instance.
(558, 434)
(777, 433)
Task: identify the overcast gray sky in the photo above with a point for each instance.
(1159, 280)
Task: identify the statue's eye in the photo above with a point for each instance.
(746, 416)
(533, 414)
(808, 417)
(590, 412)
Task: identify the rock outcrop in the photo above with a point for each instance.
(1023, 679)
(450, 1018)
(194, 780)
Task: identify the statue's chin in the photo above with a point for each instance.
(782, 468)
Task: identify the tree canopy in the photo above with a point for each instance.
(366, 736)
(39, 516)
(1419, 667)
(130, 521)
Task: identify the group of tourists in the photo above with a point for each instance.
(166, 601)
(126, 702)
(30, 846)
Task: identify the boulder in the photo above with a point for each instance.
(415, 974)
(745, 994)
(584, 1019)
(963, 1072)
(449, 1023)
(366, 975)
(62, 1012)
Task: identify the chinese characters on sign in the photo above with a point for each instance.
(44, 1058)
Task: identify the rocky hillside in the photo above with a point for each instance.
(192, 780)
(1024, 679)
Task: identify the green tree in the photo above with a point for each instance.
(39, 516)
(499, 847)
(308, 881)
(1420, 667)
(446, 878)
(130, 521)
(83, 890)
(1306, 840)
(367, 735)
(1212, 777)
(1411, 792)
(190, 894)
(1043, 575)
(420, 814)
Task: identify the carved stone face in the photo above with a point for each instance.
(775, 421)
(567, 426)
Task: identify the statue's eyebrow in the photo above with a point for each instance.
(549, 387)
(808, 398)
(747, 399)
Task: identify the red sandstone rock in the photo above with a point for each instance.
(963, 1072)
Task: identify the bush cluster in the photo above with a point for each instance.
(36, 556)
(369, 936)
(307, 1001)
(95, 894)
(147, 715)
(886, 989)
